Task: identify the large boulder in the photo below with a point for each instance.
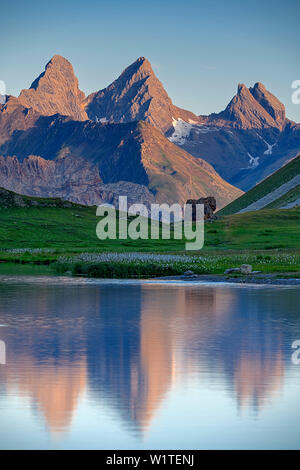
(210, 206)
(246, 269)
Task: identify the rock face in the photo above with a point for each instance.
(244, 143)
(253, 108)
(210, 206)
(247, 141)
(136, 95)
(270, 103)
(55, 91)
(134, 152)
(70, 178)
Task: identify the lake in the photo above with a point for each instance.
(148, 365)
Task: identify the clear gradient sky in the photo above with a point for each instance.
(200, 50)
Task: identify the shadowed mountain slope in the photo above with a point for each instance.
(134, 152)
(280, 190)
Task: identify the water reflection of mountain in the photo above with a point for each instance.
(129, 345)
(130, 355)
(45, 340)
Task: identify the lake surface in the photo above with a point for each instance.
(133, 365)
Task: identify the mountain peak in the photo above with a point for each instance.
(142, 59)
(270, 103)
(253, 108)
(55, 91)
(142, 62)
(58, 59)
(242, 89)
(259, 86)
(137, 94)
(139, 69)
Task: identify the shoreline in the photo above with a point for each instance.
(266, 279)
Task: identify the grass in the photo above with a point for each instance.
(260, 230)
(142, 265)
(18, 269)
(283, 175)
(36, 237)
(291, 196)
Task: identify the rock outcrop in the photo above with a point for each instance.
(136, 95)
(252, 108)
(210, 206)
(56, 91)
(70, 178)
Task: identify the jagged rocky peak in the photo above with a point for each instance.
(136, 95)
(252, 108)
(55, 91)
(242, 89)
(141, 66)
(270, 103)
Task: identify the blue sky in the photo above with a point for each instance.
(200, 50)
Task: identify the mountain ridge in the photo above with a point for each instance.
(135, 152)
(137, 94)
(244, 143)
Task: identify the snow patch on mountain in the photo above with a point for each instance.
(270, 148)
(102, 120)
(182, 130)
(253, 161)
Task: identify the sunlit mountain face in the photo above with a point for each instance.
(127, 350)
(246, 142)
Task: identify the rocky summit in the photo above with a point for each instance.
(136, 95)
(55, 91)
(130, 133)
(247, 141)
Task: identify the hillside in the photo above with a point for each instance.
(280, 190)
(10, 199)
(29, 222)
(100, 154)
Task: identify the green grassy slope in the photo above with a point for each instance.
(74, 229)
(285, 174)
(287, 198)
(9, 199)
(267, 239)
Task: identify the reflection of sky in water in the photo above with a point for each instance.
(136, 365)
